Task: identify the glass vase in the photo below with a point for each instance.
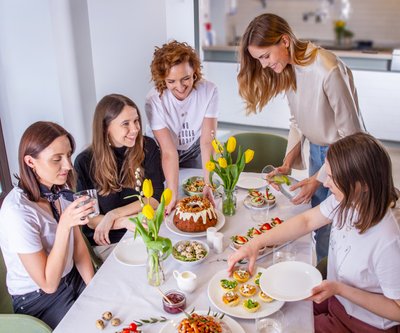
(229, 198)
(154, 267)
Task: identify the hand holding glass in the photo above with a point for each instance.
(92, 194)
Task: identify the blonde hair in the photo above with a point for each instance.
(104, 165)
(257, 85)
(169, 55)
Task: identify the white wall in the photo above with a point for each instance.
(29, 76)
(58, 58)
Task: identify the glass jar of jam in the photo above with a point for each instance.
(177, 302)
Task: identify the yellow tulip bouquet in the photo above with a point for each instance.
(158, 248)
(229, 172)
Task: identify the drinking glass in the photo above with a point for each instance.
(274, 323)
(285, 253)
(92, 194)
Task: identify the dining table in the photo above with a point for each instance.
(123, 289)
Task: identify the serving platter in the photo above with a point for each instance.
(169, 222)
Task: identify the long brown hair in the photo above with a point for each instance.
(362, 171)
(169, 55)
(104, 164)
(257, 85)
(35, 139)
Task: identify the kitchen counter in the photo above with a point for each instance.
(374, 59)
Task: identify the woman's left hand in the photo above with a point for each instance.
(326, 289)
(308, 187)
(208, 193)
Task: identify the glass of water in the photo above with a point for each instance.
(284, 253)
(92, 194)
(274, 323)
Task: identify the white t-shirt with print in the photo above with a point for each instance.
(26, 228)
(369, 261)
(184, 119)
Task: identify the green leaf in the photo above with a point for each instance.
(139, 227)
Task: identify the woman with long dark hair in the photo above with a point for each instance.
(115, 164)
(48, 263)
(362, 289)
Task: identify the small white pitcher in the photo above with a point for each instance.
(187, 280)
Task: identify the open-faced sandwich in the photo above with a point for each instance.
(269, 197)
(265, 227)
(275, 221)
(255, 194)
(257, 278)
(251, 305)
(257, 201)
(228, 285)
(241, 275)
(239, 241)
(265, 298)
(247, 290)
(230, 298)
(252, 232)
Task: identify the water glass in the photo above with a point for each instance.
(274, 323)
(285, 253)
(92, 194)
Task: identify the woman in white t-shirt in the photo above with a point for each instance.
(182, 112)
(48, 263)
(362, 289)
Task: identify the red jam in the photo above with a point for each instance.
(178, 301)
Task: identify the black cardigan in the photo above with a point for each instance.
(152, 170)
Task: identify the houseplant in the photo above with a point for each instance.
(229, 172)
(158, 248)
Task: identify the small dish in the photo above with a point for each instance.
(131, 252)
(194, 185)
(197, 252)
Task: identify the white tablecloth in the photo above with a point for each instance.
(124, 291)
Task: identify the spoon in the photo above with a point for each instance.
(164, 296)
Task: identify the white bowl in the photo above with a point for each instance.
(190, 242)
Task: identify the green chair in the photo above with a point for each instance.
(268, 149)
(11, 322)
(19, 323)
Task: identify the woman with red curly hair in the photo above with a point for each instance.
(182, 112)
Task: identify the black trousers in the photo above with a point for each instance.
(51, 308)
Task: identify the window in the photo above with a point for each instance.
(5, 178)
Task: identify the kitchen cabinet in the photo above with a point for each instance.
(378, 94)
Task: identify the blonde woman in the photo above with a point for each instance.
(320, 91)
(116, 163)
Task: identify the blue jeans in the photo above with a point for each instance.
(317, 159)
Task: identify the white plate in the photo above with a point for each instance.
(229, 322)
(265, 205)
(215, 293)
(290, 280)
(131, 252)
(251, 182)
(169, 221)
